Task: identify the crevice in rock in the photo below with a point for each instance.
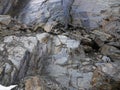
(95, 46)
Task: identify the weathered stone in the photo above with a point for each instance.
(15, 52)
(48, 26)
(111, 51)
(61, 60)
(5, 19)
(106, 77)
(100, 37)
(67, 5)
(33, 83)
(16, 27)
(6, 5)
(88, 13)
(85, 84)
(86, 41)
(112, 25)
(66, 62)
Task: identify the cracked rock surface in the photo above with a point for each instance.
(36, 53)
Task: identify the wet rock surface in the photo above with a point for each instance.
(44, 56)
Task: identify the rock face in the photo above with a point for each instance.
(105, 77)
(90, 13)
(54, 59)
(6, 19)
(44, 61)
(64, 60)
(6, 5)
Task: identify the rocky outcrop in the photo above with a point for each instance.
(42, 56)
(106, 77)
(12, 7)
(91, 14)
(6, 5)
(58, 60)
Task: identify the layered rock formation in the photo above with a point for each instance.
(89, 13)
(42, 56)
(45, 13)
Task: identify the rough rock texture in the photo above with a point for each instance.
(105, 77)
(90, 13)
(12, 7)
(6, 19)
(44, 61)
(6, 5)
(61, 60)
(45, 13)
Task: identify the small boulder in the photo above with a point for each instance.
(5, 19)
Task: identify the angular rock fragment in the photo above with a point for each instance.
(110, 51)
(5, 19)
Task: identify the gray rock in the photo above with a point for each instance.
(88, 13)
(111, 25)
(111, 51)
(61, 62)
(103, 72)
(100, 37)
(5, 19)
(67, 5)
(106, 59)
